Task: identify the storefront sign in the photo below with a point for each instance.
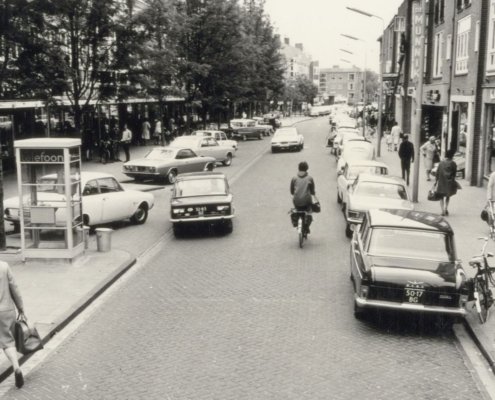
(433, 96)
(44, 156)
(417, 41)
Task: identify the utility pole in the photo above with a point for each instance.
(419, 26)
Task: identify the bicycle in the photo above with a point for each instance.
(300, 220)
(491, 219)
(482, 293)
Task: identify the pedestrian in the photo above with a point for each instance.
(10, 300)
(157, 133)
(406, 154)
(446, 185)
(388, 140)
(429, 151)
(396, 133)
(126, 141)
(146, 132)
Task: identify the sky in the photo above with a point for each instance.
(318, 25)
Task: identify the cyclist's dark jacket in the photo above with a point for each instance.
(302, 187)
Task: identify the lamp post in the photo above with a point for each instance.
(380, 98)
(364, 75)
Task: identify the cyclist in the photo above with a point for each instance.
(302, 187)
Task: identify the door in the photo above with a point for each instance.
(187, 161)
(92, 202)
(115, 205)
(455, 130)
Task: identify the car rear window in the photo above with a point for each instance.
(410, 243)
(160, 154)
(354, 171)
(376, 189)
(200, 187)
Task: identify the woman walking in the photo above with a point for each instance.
(429, 150)
(446, 183)
(10, 299)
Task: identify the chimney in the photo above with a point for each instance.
(299, 46)
(286, 41)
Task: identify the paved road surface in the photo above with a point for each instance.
(250, 315)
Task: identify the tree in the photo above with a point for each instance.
(299, 90)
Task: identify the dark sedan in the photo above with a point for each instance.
(406, 261)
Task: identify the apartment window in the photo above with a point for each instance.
(442, 11)
(351, 77)
(448, 50)
(462, 47)
(490, 59)
(477, 37)
(438, 11)
(437, 55)
(351, 86)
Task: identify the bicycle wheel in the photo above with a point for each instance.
(481, 300)
(300, 232)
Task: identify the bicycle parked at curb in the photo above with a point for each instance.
(482, 282)
(300, 220)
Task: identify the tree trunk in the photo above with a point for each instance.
(3, 242)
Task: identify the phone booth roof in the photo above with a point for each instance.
(47, 143)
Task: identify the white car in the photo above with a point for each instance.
(351, 170)
(374, 191)
(260, 121)
(219, 136)
(341, 138)
(206, 147)
(287, 139)
(104, 200)
(356, 149)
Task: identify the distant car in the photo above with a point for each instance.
(374, 191)
(287, 139)
(245, 129)
(357, 148)
(167, 162)
(350, 172)
(201, 198)
(341, 138)
(260, 122)
(219, 136)
(273, 120)
(104, 200)
(406, 261)
(207, 146)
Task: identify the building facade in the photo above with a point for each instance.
(337, 84)
(297, 62)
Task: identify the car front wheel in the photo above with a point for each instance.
(141, 215)
(228, 160)
(172, 176)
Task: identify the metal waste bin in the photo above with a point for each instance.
(103, 239)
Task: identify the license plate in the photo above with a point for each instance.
(413, 295)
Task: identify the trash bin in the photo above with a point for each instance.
(104, 239)
(86, 237)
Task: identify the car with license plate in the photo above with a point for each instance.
(406, 261)
(206, 146)
(374, 191)
(260, 122)
(219, 136)
(351, 170)
(287, 139)
(201, 198)
(166, 162)
(244, 129)
(357, 148)
(104, 200)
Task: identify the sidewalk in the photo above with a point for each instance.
(56, 291)
(464, 217)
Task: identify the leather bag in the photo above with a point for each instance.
(27, 338)
(433, 195)
(315, 204)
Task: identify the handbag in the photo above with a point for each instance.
(433, 195)
(27, 338)
(315, 204)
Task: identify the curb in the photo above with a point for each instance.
(477, 339)
(77, 308)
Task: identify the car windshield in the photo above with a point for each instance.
(285, 135)
(381, 189)
(201, 133)
(369, 169)
(200, 187)
(409, 243)
(160, 154)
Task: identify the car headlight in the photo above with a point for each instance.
(127, 167)
(223, 208)
(178, 210)
(364, 291)
(152, 169)
(355, 214)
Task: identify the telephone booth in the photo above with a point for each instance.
(49, 186)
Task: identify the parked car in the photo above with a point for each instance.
(357, 148)
(273, 120)
(104, 200)
(219, 136)
(260, 122)
(341, 138)
(351, 170)
(406, 261)
(374, 191)
(201, 198)
(245, 129)
(207, 146)
(287, 139)
(167, 162)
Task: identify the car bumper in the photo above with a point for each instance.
(291, 146)
(134, 174)
(201, 219)
(386, 305)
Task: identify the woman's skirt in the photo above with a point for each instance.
(7, 321)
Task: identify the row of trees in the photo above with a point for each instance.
(214, 53)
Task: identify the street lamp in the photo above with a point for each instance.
(364, 74)
(346, 51)
(380, 99)
(346, 61)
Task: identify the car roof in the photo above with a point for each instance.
(286, 129)
(367, 163)
(365, 177)
(241, 120)
(408, 219)
(205, 130)
(200, 175)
